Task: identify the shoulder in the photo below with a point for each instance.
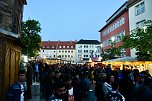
(52, 98)
(16, 85)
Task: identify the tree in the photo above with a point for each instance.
(140, 39)
(30, 38)
(112, 52)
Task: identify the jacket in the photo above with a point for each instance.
(14, 93)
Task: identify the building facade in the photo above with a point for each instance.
(86, 49)
(116, 27)
(139, 12)
(63, 50)
(11, 12)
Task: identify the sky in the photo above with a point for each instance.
(67, 20)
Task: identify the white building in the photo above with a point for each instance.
(64, 50)
(85, 49)
(139, 11)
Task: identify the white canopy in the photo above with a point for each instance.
(124, 59)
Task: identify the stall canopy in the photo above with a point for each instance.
(95, 59)
(124, 59)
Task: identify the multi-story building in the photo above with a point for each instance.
(116, 27)
(85, 49)
(63, 50)
(139, 12)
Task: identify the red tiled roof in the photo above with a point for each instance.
(58, 44)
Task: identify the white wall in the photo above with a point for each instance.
(133, 19)
(95, 47)
(49, 53)
(149, 67)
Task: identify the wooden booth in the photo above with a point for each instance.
(10, 45)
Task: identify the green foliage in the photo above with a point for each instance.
(30, 38)
(140, 39)
(112, 52)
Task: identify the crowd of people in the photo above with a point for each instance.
(69, 82)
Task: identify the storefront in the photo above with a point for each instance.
(129, 63)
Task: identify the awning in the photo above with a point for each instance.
(124, 59)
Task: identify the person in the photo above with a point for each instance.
(48, 84)
(144, 91)
(99, 93)
(29, 75)
(17, 90)
(114, 95)
(36, 72)
(68, 85)
(59, 92)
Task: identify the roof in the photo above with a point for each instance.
(95, 59)
(58, 44)
(132, 2)
(88, 42)
(115, 15)
(124, 59)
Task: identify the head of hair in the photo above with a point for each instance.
(50, 71)
(21, 72)
(59, 84)
(66, 77)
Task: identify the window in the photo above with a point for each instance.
(85, 51)
(65, 51)
(63, 46)
(54, 51)
(53, 46)
(67, 46)
(71, 56)
(123, 20)
(60, 46)
(68, 56)
(85, 55)
(71, 46)
(68, 51)
(80, 46)
(65, 55)
(140, 8)
(79, 56)
(118, 24)
(54, 55)
(137, 9)
(43, 46)
(79, 51)
(43, 50)
(71, 51)
(59, 51)
(85, 46)
(140, 24)
(62, 55)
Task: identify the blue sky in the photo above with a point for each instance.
(67, 20)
